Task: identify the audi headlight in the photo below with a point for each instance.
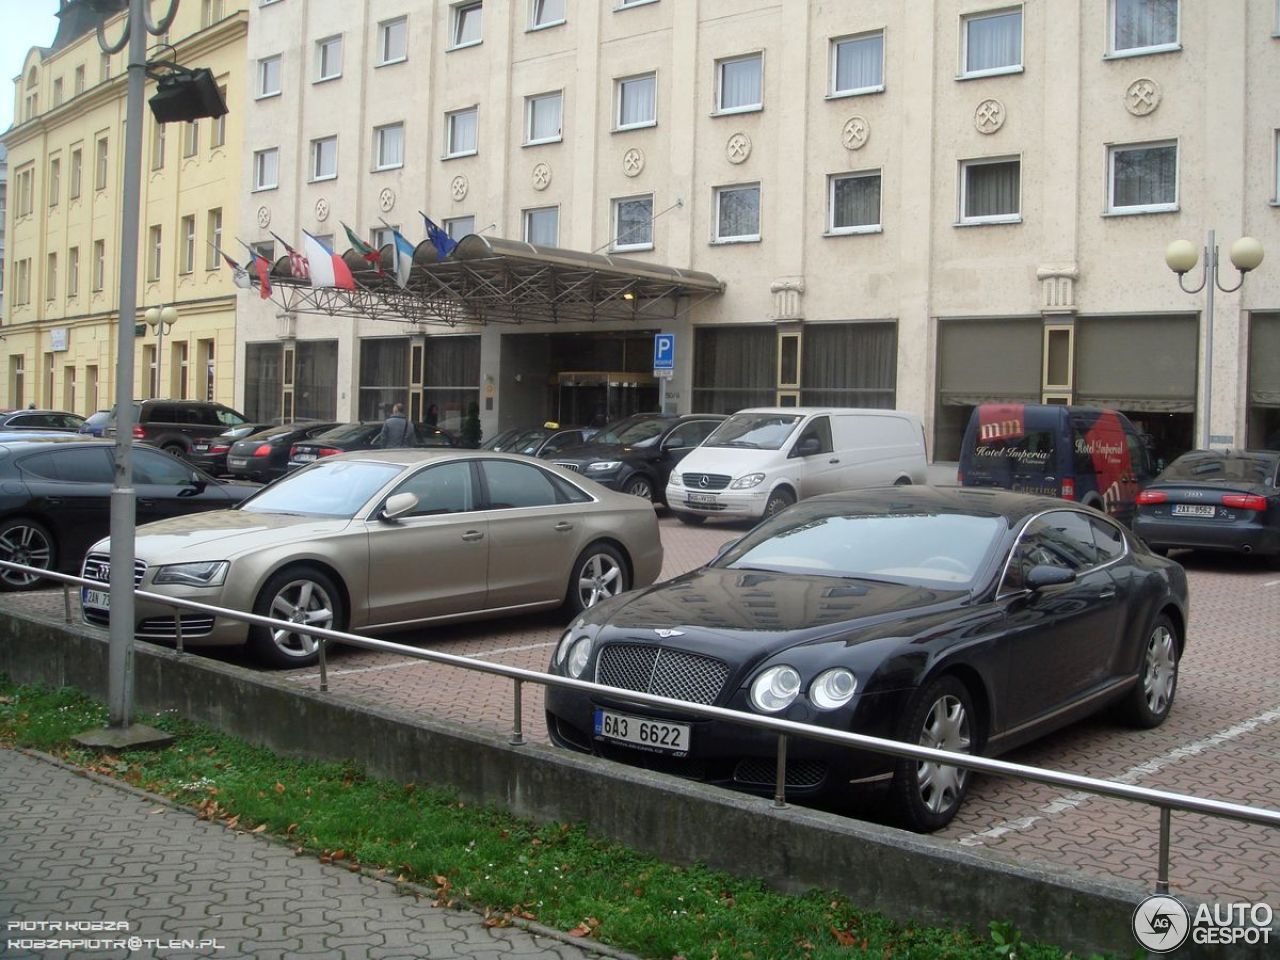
(604, 465)
(833, 688)
(747, 482)
(775, 689)
(210, 573)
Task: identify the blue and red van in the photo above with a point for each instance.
(1093, 456)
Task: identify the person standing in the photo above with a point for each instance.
(395, 431)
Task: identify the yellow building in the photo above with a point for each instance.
(62, 253)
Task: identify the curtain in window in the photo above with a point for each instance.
(734, 368)
(739, 213)
(548, 11)
(315, 381)
(262, 381)
(544, 118)
(638, 101)
(462, 132)
(993, 42)
(859, 63)
(855, 201)
(384, 375)
(1148, 175)
(991, 189)
(849, 365)
(452, 380)
(740, 83)
(635, 222)
(1145, 23)
(542, 227)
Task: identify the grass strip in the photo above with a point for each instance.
(485, 859)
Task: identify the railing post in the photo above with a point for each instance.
(66, 601)
(780, 784)
(324, 670)
(1162, 870)
(517, 726)
(177, 627)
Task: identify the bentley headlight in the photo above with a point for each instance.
(833, 688)
(579, 654)
(209, 573)
(747, 482)
(775, 689)
(603, 466)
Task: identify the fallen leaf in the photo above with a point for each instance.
(279, 787)
(233, 822)
(289, 829)
(843, 937)
(581, 930)
(339, 854)
(260, 828)
(155, 810)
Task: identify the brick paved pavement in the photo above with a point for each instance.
(75, 848)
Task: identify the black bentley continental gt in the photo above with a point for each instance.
(963, 619)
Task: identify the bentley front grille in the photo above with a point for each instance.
(662, 672)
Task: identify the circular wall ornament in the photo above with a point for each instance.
(386, 199)
(633, 162)
(322, 209)
(264, 217)
(541, 175)
(989, 117)
(855, 133)
(738, 148)
(1142, 97)
(458, 188)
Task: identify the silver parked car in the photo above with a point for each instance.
(379, 540)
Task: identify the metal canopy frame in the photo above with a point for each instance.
(492, 280)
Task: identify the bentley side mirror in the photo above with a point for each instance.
(1044, 575)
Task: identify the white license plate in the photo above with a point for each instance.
(305, 457)
(702, 498)
(237, 462)
(1193, 510)
(95, 598)
(641, 732)
(200, 447)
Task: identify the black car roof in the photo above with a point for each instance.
(904, 499)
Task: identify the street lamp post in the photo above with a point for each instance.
(1181, 257)
(161, 320)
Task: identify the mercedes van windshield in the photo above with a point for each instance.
(754, 431)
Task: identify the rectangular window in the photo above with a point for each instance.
(104, 68)
(266, 169)
(16, 379)
(73, 272)
(737, 213)
(546, 13)
(51, 277)
(542, 226)
(542, 123)
(48, 381)
(637, 101)
(621, 4)
(991, 190)
(1275, 184)
(633, 223)
(26, 191)
(739, 84)
(459, 227)
(190, 138)
(77, 86)
(383, 236)
(849, 365)
(1143, 26)
(734, 367)
(857, 64)
(269, 69)
(57, 92)
(157, 146)
(100, 164)
(393, 41)
(388, 144)
(1143, 178)
(218, 132)
(22, 281)
(328, 58)
(384, 375)
(188, 244)
(466, 25)
(265, 249)
(213, 231)
(460, 132)
(55, 180)
(854, 203)
(99, 264)
(69, 388)
(324, 158)
(205, 358)
(73, 184)
(155, 248)
(210, 13)
(992, 43)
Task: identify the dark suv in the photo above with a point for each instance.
(174, 425)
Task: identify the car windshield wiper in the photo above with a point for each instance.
(739, 443)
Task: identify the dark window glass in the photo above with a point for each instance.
(518, 485)
(820, 429)
(1059, 539)
(690, 434)
(41, 465)
(734, 367)
(262, 380)
(153, 467)
(226, 416)
(443, 489)
(162, 413)
(1108, 538)
(86, 465)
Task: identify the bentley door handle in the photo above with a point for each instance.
(1106, 594)
(472, 535)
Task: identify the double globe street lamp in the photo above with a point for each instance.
(161, 320)
(1181, 256)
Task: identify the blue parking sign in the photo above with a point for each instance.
(664, 351)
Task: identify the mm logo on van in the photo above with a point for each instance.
(1000, 430)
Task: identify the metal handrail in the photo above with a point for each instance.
(1164, 800)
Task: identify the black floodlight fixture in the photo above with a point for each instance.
(184, 94)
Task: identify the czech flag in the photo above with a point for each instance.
(327, 268)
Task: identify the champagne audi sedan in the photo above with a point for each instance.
(381, 540)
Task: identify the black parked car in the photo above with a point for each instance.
(210, 453)
(361, 436)
(548, 442)
(174, 425)
(55, 499)
(1215, 500)
(43, 420)
(636, 454)
(967, 620)
(264, 455)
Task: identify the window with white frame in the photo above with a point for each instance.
(545, 13)
(157, 146)
(76, 172)
(637, 101)
(542, 226)
(99, 263)
(269, 73)
(26, 191)
(459, 227)
(388, 146)
(55, 181)
(737, 213)
(77, 86)
(853, 202)
(991, 190)
(73, 272)
(328, 58)
(51, 277)
(191, 138)
(266, 169)
(623, 4)
(542, 118)
(57, 92)
(460, 133)
(218, 132)
(633, 223)
(857, 64)
(188, 263)
(992, 43)
(1143, 177)
(100, 164)
(213, 231)
(324, 158)
(465, 29)
(383, 237)
(739, 85)
(393, 41)
(22, 281)
(155, 252)
(1275, 184)
(1143, 26)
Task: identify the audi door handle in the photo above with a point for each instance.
(472, 535)
(564, 525)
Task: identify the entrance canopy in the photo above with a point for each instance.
(492, 280)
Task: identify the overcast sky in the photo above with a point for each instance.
(23, 24)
